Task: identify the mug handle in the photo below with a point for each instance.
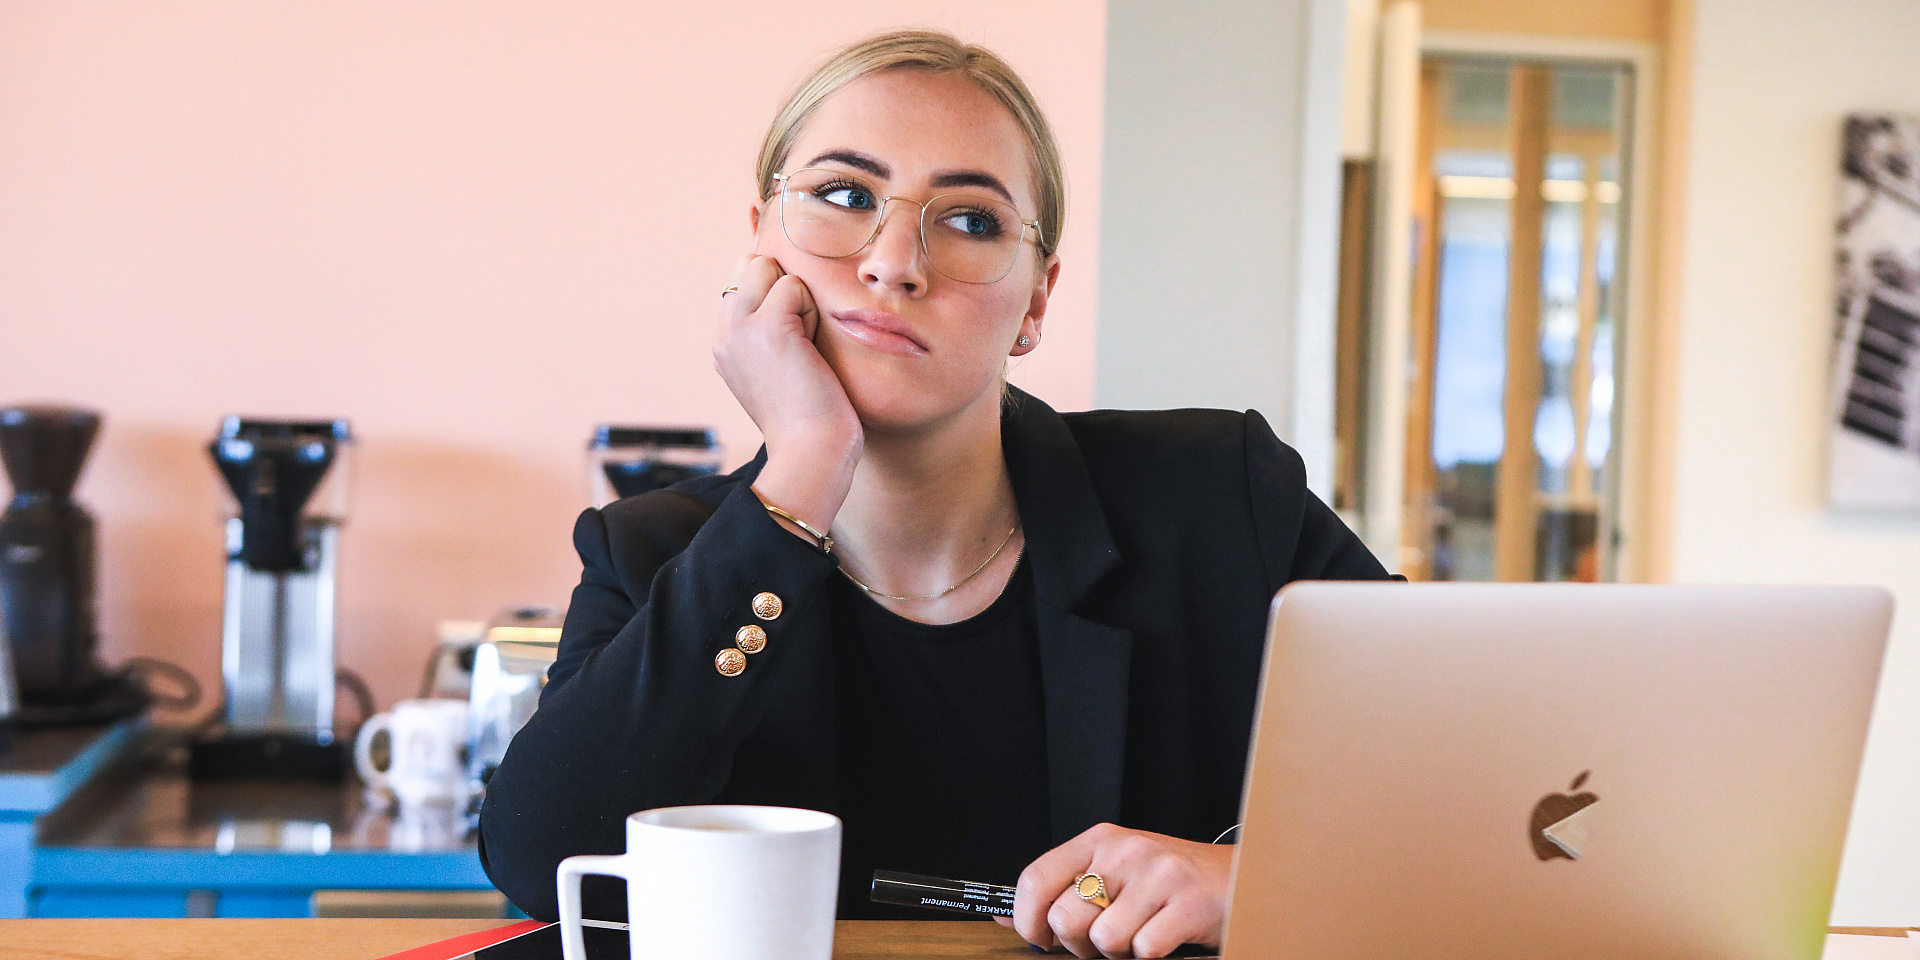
(363, 749)
(573, 944)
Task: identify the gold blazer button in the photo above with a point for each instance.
(730, 662)
(767, 606)
(750, 638)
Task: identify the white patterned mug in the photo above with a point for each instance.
(720, 882)
(425, 762)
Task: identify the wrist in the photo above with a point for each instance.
(797, 526)
(811, 488)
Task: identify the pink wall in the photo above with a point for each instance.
(474, 228)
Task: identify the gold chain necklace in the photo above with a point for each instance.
(934, 596)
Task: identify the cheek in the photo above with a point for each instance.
(819, 274)
(769, 240)
(1005, 303)
(991, 319)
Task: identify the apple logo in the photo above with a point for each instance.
(1553, 811)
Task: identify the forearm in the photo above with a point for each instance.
(647, 720)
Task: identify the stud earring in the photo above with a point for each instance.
(1025, 341)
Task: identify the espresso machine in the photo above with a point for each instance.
(288, 480)
(510, 667)
(625, 461)
(47, 574)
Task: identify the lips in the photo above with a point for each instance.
(880, 330)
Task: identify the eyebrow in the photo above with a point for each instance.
(954, 178)
(974, 178)
(858, 161)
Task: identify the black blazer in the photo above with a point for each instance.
(1156, 542)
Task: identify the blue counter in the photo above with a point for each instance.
(40, 771)
(140, 840)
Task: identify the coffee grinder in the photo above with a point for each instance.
(47, 574)
(288, 480)
(9, 695)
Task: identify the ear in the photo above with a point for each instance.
(755, 220)
(1037, 307)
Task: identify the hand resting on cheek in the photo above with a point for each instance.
(763, 348)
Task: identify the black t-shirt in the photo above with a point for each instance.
(942, 756)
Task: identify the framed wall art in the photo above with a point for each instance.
(1874, 444)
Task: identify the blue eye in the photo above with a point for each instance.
(974, 223)
(845, 195)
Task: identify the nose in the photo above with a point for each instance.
(894, 261)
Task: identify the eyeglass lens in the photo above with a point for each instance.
(831, 213)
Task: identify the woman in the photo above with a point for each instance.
(995, 640)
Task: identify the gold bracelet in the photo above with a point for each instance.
(826, 542)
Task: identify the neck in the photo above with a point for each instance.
(928, 506)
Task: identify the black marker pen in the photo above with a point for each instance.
(934, 893)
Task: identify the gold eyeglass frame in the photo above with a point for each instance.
(881, 221)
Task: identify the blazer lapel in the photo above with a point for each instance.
(1084, 665)
(1083, 676)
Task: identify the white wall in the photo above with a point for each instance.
(1219, 216)
(1771, 81)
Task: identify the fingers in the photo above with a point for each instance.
(1113, 931)
(760, 285)
(1072, 919)
(790, 296)
(754, 276)
(1178, 922)
(1045, 879)
(1162, 892)
(1139, 922)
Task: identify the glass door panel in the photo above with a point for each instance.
(1515, 333)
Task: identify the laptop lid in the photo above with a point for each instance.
(1553, 770)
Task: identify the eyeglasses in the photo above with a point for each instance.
(834, 214)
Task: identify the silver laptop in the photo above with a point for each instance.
(1553, 771)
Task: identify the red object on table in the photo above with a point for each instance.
(465, 943)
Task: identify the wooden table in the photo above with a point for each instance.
(366, 939)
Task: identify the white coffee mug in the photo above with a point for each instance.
(721, 882)
(425, 763)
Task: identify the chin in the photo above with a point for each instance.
(892, 408)
(887, 401)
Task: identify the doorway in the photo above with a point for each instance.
(1509, 428)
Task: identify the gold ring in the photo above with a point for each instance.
(728, 290)
(1092, 889)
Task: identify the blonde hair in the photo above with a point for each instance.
(937, 52)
